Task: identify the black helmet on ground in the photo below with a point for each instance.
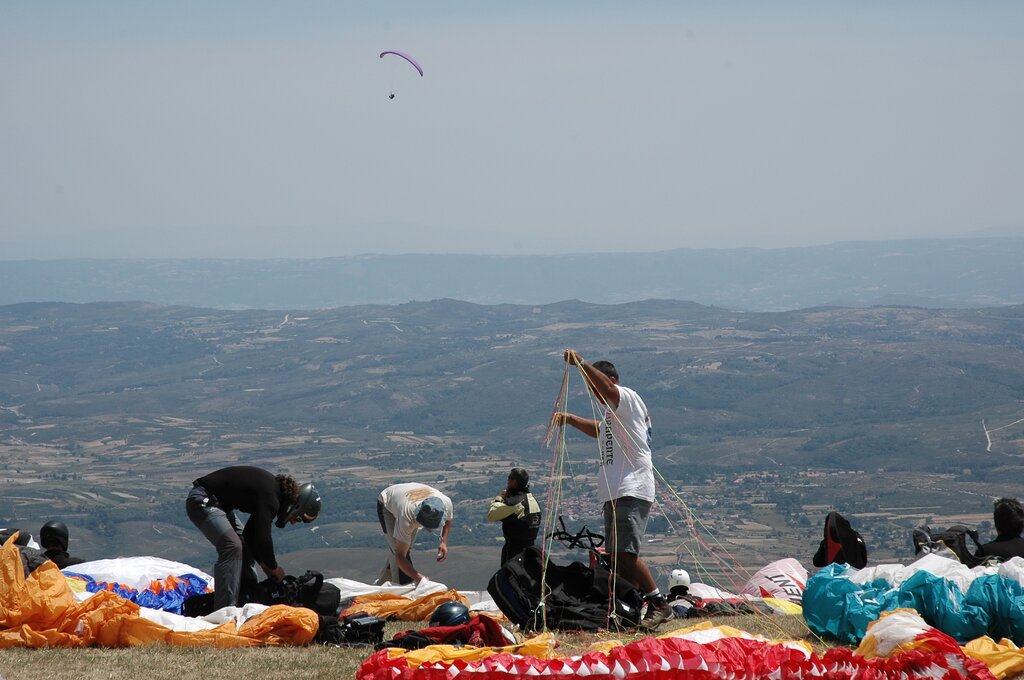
(54, 536)
(450, 614)
(306, 506)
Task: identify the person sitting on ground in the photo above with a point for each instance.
(402, 510)
(519, 514)
(211, 506)
(1008, 516)
(54, 538)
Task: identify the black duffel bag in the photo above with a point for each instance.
(308, 590)
(576, 595)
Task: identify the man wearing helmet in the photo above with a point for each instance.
(626, 478)
(519, 514)
(402, 510)
(211, 506)
(54, 537)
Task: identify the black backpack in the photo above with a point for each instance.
(841, 544)
(308, 590)
(356, 630)
(577, 596)
(313, 593)
(927, 540)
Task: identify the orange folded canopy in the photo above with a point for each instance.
(39, 610)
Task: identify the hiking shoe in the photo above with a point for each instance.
(658, 612)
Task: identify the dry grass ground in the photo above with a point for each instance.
(284, 663)
(159, 663)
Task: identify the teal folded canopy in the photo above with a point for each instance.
(993, 605)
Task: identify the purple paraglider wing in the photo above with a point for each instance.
(405, 56)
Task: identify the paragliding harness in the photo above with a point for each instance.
(308, 590)
(535, 595)
(842, 544)
(350, 630)
(944, 541)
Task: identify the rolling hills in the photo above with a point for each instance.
(761, 420)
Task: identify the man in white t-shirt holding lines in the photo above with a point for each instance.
(626, 480)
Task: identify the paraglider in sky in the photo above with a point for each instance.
(405, 56)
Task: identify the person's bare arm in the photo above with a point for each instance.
(401, 550)
(442, 550)
(275, 573)
(587, 426)
(598, 383)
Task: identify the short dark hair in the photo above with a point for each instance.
(1008, 515)
(606, 367)
(522, 478)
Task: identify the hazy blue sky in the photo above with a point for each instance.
(264, 129)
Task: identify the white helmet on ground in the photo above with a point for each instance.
(678, 577)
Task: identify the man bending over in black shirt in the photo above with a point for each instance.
(211, 506)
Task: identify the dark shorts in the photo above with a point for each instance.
(625, 525)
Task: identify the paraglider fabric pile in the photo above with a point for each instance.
(46, 608)
(783, 579)
(98, 603)
(902, 647)
(40, 609)
(840, 601)
(166, 594)
(389, 606)
(409, 602)
(150, 582)
(480, 631)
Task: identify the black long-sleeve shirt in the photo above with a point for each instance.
(62, 559)
(1004, 547)
(255, 491)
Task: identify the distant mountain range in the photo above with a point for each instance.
(936, 273)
